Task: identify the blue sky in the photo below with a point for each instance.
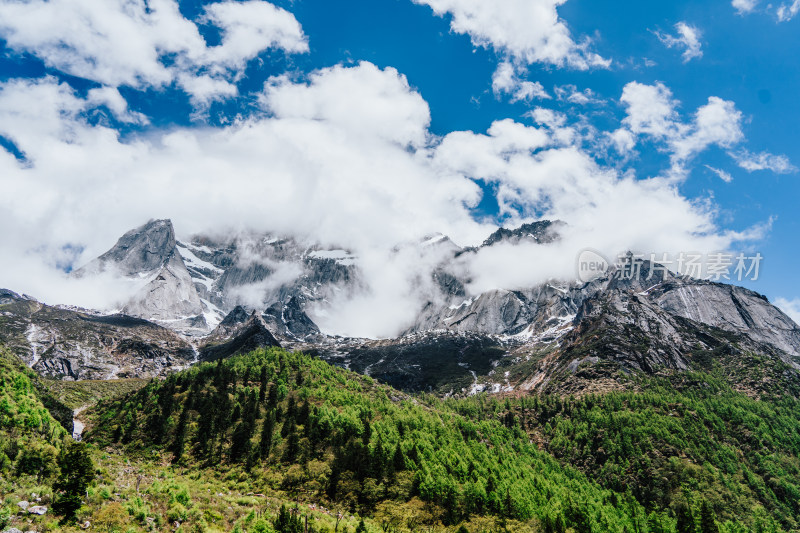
(439, 57)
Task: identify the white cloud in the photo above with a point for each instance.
(788, 11)
(790, 307)
(148, 44)
(343, 158)
(687, 38)
(113, 100)
(530, 31)
(570, 93)
(744, 6)
(716, 123)
(721, 174)
(751, 162)
(364, 100)
(505, 80)
(783, 12)
(650, 109)
(651, 112)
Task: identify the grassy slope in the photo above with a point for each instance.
(75, 394)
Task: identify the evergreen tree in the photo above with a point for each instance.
(180, 436)
(77, 471)
(685, 518)
(292, 446)
(708, 523)
(272, 397)
(362, 527)
(287, 522)
(398, 459)
(262, 389)
(266, 434)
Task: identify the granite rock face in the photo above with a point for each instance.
(144, 249)
(69, 344)
(288, 320)
(541, 232)
(731, 308)
(148, 258)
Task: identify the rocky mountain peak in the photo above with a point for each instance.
(237, 316)
(143, 249)
(540, 232)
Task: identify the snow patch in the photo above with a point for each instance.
(191, 260)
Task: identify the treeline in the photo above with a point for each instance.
(296, 424)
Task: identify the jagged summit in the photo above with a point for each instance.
(143, 249)
(539, 232)
(148, 258)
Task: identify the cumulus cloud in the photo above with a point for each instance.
(570, 93)
(506, 80)
(650, 109)
(149, 44)
(651, 112)
(744, 6)
(790, 307)
(343, 157)
(363, 100)
(687, 38)
(529, 31)
(751, 162)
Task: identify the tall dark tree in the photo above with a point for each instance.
(288, 522)
(262, 389)
(77, 471)
(266, 434)
(708, 522)
(685, 518)
(180, 436)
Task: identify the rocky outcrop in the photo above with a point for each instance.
(288, 320)
(540, 232)
(731, 308)
(68, 344)
(144, 249)
(247, 336)
(170, 298)
(148, 257)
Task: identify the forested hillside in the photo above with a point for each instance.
(279, 441)
(288, 424)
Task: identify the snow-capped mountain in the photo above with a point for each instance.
(218, 297)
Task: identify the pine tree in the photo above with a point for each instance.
(398, 459)
(272, 397)
(266, 434)
(708, 523)
(180, 436)
(77, 471)
(362, 527)
(262, 389)
(286, 522)
(685, 519)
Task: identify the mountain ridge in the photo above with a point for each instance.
(523, 331)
